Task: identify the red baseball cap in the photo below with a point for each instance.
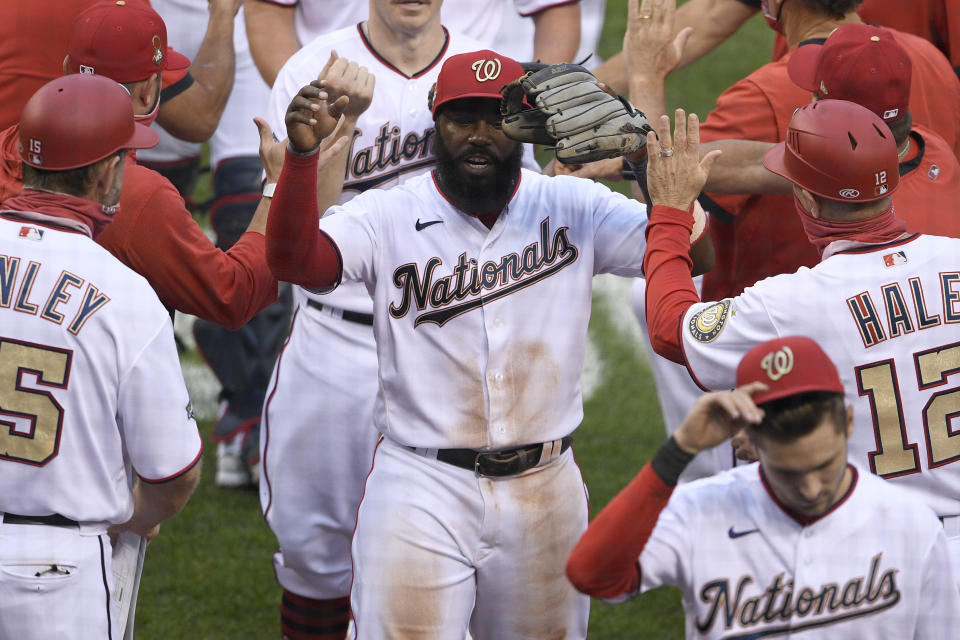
(479, 74)
(78, 119)
(789, 367)
(125, 40)
(859, 63)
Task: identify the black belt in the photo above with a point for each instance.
(349, 316)
(508, 462)
(53, 520)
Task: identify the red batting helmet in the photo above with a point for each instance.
(838, 150)
(76, 120)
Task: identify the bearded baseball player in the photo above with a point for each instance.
(885, 301)
(802, 543)
(316, 448)
(474, 498)
(96, 432)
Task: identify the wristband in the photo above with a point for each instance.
(669, 461)
(268, 189)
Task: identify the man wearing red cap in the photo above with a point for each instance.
(154, 233)
(481, 277)
(33, 42)
(862, 64)
(886, 302)
(96, 431)
(803, 541)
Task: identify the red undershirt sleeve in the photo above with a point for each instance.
(297, 250)
(605, 563)
(670, 288)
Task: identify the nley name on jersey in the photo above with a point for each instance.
(26, 301)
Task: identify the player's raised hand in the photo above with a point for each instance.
(717, 416)
(311, 117)
(676, 173)
(271, 150)
(342, 77)
(649, 45)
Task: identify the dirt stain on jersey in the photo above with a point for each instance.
(551, 516)
(531, 377)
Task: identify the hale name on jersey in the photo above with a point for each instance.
(903, 317)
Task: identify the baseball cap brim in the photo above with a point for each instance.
(143, 138)
(802, 66)
(784, 392)
(773, 160)
(176, 60)
(476, 94)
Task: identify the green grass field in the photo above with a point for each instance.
(209, 573)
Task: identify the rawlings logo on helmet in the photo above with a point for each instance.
(486, 70)
(778, 363)
(849, 193)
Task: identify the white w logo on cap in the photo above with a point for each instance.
(778, 363)
(486, 70)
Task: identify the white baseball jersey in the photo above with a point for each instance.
(90, 382)
(889, 316)
(480, 332)
(874, 566)
(478, 19)
(515, 37)
(393, 138)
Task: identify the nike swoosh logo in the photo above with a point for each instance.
(739, 534)
(423, 225)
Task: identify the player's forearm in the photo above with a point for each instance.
(157, 502)
(556, 33)
(605, 562)
(740, 169)
(194, 114)
(713, 21)
(670, 289)
(271, 32)
(296, 251)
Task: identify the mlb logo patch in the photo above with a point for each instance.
(31, 233)
(895, 258)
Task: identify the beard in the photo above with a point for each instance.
(474, 194)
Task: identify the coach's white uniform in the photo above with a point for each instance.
(889, 316)
(90, 385)
(317, 435)
(480, 338)
(482, 20)
(874, 566)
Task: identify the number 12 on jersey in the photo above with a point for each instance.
(895, 454)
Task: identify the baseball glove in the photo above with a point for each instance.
(564, 106)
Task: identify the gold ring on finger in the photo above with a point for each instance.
(666, 153)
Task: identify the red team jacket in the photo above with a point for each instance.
(34, 37)
(154, 234)
(757, 236)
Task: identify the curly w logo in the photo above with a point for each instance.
(486, 70)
